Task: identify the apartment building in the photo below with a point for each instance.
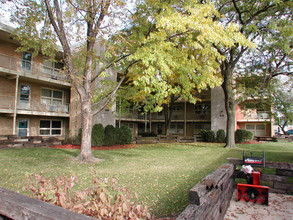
(187, 118)
(34, 92)
(208, 113)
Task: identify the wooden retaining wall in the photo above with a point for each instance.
(210, 198)
(16, 206)
(166, 139)
(278, 181)
(13, 141)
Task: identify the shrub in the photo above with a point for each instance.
(207, 135)
(103, 200)
(243, 135)
(221, 137)
(97, 135)
(124, 135)
(110, 135)
(78, 137)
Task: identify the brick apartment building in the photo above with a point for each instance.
(37, 99)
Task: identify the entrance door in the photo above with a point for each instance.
(160, 129)
(23, 128)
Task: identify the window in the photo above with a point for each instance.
(176, 128)
(51, 97)
(50, 127)
(51, 68)
(24, 93)
(26, 60)
(256, 129)
(202, 109)
(178, 108)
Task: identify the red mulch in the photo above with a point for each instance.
(70, 146)
(250, 142)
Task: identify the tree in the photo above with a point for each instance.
(258, 20)
(282, 99)
(177, 58)
(78, 26)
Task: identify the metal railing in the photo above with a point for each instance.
(29, 68)
(7, 103)
(254, 114)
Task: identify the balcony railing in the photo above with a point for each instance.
(7, 103)
(255, 115)
(31, 69)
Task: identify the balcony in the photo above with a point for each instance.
(32, 107)
(254, 115)
(30, 69)
(132, 116)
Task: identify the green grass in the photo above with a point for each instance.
(161, 174)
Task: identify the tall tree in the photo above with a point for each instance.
(78, 26)
(258, 20)
(178, 56)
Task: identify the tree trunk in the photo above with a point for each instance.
(169, 113)
(86, 118)
(230, 105)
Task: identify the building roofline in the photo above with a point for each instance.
(6, 28)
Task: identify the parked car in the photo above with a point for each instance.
(289, 132)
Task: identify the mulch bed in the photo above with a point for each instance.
(70, 146)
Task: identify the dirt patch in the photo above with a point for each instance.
(114, 147)
(280, 207)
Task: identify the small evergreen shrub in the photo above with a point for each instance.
(110, 135)
(221, 137)
(97, 135)
(124, 135)
(207, 135)
(243, 135)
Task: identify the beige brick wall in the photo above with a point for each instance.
(6, 125)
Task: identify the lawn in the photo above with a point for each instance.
(161, 174)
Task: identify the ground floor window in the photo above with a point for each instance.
(256, 129)
(50, 127)
(177, 128)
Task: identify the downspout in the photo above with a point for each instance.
(15, 104)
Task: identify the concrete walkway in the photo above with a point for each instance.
(280, 207)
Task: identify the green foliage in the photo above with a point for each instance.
(207, 135)
(243, 135)
(171, 57)
(97, 135)
(124, 135)
(110, 137)
(221, 137)
(103, 200)
(78, 137)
